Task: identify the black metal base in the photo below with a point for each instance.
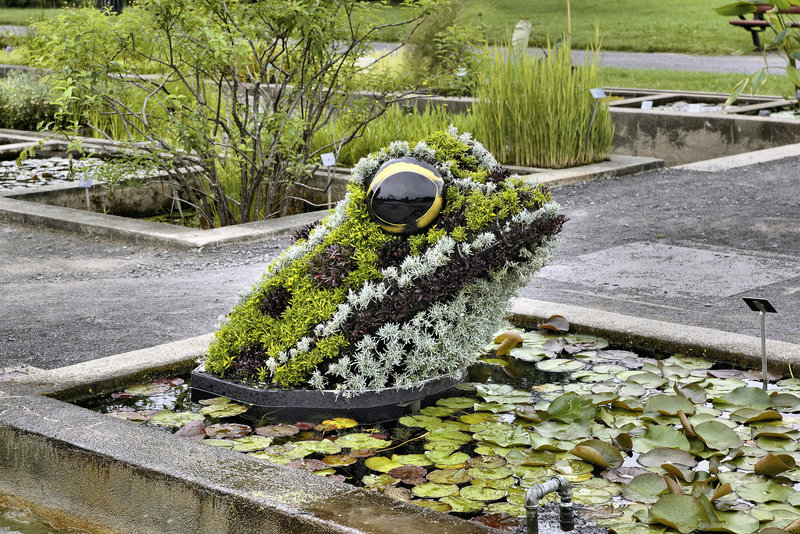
(314, 405)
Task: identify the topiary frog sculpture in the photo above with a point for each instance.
(402, 283)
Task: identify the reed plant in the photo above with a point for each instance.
(537, 111)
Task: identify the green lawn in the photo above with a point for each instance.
(685, 26)
(674, 80)
(23, 17)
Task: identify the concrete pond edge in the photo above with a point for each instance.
(80, 468)
(14, 209)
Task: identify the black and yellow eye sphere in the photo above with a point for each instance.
(405, 195)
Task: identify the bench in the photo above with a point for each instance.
(758, 24)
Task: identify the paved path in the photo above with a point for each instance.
(746, 64)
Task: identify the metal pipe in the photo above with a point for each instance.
(566, 513)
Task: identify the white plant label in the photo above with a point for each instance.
(647, 104)
(695, 108)
(328, 159)
(598, 93)
(85, 182)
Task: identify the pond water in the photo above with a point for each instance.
(13, 521)
(648, 443)
(44, 171)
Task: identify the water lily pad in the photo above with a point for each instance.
(684, 513)
(441, 458)
(487, 462)
(214, 400)
(645, 488)
(736, 522)
(689, 362)
(339, 460)
(153, 388)
(195, 431)
(449, 476)
(378, 481)
(494, 407)
(437, 411)
(489, 473)
(750, 397)
(754, 488)
(717, 436)
(412, 459)
(381, 464)
(504, 435)
(571, 407)
(660, 436)
(598, 453)
(410, 474)
(561, 431)
(361, 441)
(482, 493)
(462, 505)
(530, 354)
(433, 504)
(774, 464)
(478, 417)
(559, 365)
(323, 446)
(457, 403)
(251, 443)
(555, 323)
(502, 393)
(665, 455)
(669, 404)
(572, 467)
(432, 490)
(647, 380)
(220, 411)
(277, 431)
(424, 421)
(507, 341)
(174, 419)
(339, 423)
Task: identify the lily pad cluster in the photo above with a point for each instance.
(651, 446)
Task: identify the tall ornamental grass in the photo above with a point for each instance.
(536, 112)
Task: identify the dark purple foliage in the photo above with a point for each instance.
(274, 302)
(332, 265)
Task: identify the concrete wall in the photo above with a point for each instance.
(679, 138)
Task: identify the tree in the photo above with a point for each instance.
(223, 95)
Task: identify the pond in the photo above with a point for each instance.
(651, 445)
(44, 171)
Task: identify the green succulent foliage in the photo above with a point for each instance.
(277, 334)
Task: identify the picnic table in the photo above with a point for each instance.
(758, 23)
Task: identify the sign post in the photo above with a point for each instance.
(763, 307)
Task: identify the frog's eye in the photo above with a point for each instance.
(405, 195)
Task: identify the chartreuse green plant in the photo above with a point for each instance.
(353, 306)
(225, 96)
(538, 111)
